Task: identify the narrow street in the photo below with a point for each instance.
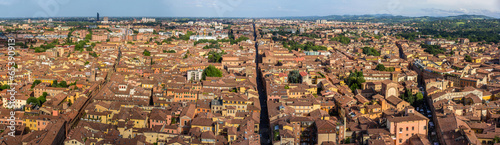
(264, 118)
(425, 110)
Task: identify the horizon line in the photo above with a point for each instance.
(244, 16)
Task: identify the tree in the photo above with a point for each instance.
(276, 135)
(174, 120)
(36, 82)
(211, 71)
(169, 51)
(468, 58)
(3, 87)
(62, 84)
(294, 77)
(420, 97)
(186, 55)
(355, 80)
(146, 53)
(380, 67)
(42, 99)
(33, 100)
(496, 139)
(409, 97)
(347, 140)
(216, 57)
(342, 39)
(370, 51)
(433, 49)
(94, 54)
(54, 83)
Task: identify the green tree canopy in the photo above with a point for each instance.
(355, 80)
(33, 101)
(54, 83)
(420, 97)
(36, 82)
(146, 53)
(3, 87)
(433, 49)
(342, 39)
(294, 77)
(211, 71)
(468, 58)
(380, 67)
(370, 51)
(214, 56)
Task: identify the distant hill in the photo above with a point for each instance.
(387, 18)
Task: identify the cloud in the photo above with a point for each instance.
(492, 5)
(460, 11)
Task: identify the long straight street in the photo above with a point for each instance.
(264, 118)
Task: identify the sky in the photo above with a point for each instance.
(244, 8)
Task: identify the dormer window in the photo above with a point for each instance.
(122, 87)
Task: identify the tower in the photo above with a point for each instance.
(93, 74)
(97, 17)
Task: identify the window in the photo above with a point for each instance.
(406, 128)
(425, 127)
(400, 130)
(400, 140)
(412, 128)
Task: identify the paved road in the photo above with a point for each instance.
(425, 110)
(264, 118)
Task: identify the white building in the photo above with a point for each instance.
(194, 75)
(145, 20)
(165, 33)
(20, 102)
(142, 30)
(199, 37)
